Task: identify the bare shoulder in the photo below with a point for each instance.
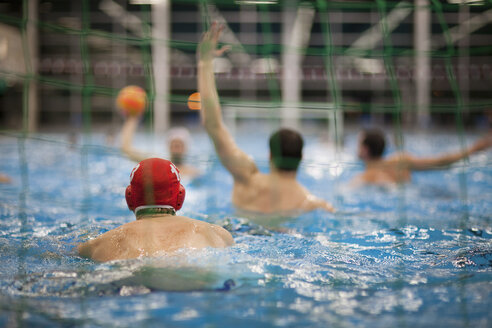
(254, 180)
(102, 245)
(215, 234)
(314, 202)
(200, 225)
(398, 157)
(223, 234)
(85, 249)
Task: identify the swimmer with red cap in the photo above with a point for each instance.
(155, 194)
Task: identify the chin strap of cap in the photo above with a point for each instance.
(154, 209)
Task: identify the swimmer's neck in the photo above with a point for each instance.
(149, 212)
(291, 175)
(373, 163)
(153, 216)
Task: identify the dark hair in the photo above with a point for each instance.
(375, 142)
(286, 149)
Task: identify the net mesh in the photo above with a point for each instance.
(81, 69)
(348, 44)
(358, 58)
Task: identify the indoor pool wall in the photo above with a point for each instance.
(417, 255)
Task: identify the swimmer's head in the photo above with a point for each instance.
(286, 149)
(155, 181)
(371, 144)
(178, 140)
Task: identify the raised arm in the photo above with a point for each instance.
(238, 163)
(127, 133)
(447, 159)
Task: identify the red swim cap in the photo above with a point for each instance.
(155, 181)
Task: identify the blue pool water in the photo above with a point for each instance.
(420, 255)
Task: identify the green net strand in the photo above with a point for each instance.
(204, 14)
(267, 52)
(21, 143)
(463, 190)
(389, 53)
(146, 51)
(390, 70)
(88, 78)
(464, 223)
(87, 93)
(28, 78)
(450, 48)
(333, 87)
(21, 305)
(395, 90)
(327, 51)
(328, 54)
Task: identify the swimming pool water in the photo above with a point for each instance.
(419, 255)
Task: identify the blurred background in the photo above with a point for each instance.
(411, 63)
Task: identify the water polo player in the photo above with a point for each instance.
(178, 138)
(275, 193)
(155, 194)
(398, 167)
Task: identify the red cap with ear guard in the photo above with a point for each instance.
(155, 181)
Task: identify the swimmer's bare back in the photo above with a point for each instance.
(155, 236)
(386, 172)
(277, 192)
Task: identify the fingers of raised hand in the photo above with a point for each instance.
(221, 51)
(209, 42)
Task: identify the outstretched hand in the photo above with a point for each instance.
(207, 49)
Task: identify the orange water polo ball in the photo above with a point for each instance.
(194, 101)
(132, 100)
